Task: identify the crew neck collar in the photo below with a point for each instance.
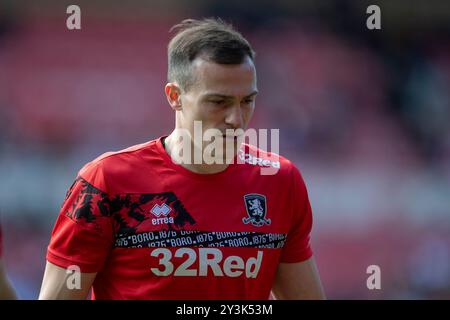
(179, 168)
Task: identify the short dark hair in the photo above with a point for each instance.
(210, 38)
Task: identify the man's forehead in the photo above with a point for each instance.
(220, 78)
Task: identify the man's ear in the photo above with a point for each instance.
(173, 95)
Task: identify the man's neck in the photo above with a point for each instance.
(170, 144)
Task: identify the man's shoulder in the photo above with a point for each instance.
(127, 154)
(257, 157)
(280, 170)
(119, 163)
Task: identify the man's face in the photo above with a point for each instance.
(221, 96)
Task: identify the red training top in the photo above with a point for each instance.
(152, 229)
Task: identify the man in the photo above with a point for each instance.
(6, 290)
(140, 224)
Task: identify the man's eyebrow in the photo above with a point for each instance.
(224, 96)
(254, 93)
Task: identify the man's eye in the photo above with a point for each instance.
(248, 101)
(217, 101)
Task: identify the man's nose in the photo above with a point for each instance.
(234, 117)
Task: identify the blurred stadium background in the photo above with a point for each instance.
(364, 114)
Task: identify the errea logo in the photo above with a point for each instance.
(161, 212)
(163, 209)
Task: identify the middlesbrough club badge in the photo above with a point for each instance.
(256, 206)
